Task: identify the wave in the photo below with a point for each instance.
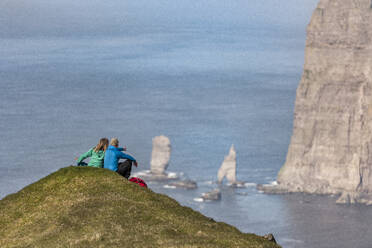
(198, 199)
(166, 186)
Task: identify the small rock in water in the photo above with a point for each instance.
(238, 184)
(213, 195)
(187, 184)
(348, 198)
(271, 189)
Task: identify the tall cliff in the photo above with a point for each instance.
(331, 147)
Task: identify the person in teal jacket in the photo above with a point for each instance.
(96, 154)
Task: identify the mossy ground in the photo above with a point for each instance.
(92, 207)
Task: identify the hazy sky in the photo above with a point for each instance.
(96, 17)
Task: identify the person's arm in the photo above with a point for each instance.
(126, 156)
(122, 148)
(84, 156)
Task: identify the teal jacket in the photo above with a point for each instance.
(96, 158)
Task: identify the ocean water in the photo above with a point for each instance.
(206, 89)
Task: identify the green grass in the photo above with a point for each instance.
(92, 207)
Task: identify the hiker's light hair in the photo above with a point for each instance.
(114, 142)
(102, 145)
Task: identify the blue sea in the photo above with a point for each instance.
(204, 88)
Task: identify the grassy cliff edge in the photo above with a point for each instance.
(91, 207)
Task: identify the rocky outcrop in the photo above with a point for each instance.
(213, 195)
(161, 150)
(160, 156)
(185, 184)
(331, 147)
(270, 237)
(228, 167)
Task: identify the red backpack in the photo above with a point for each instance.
(138, 181)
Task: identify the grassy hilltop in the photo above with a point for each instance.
(90, 207)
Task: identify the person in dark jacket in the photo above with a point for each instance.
(112, 156)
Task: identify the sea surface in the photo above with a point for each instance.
(204, 88)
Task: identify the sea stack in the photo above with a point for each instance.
(161, 150)
(228, 170)
(331, 146)
(228, 167)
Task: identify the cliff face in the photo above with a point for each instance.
(331, 147)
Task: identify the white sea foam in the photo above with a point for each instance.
(206, 183)
(198, 199)
(250, 184)
(142, 173)
(169, 186)
(172, 175)
(148, 174)
(240, 186)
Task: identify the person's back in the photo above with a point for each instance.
(96, 154)
(112, 156)
(96, 158)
